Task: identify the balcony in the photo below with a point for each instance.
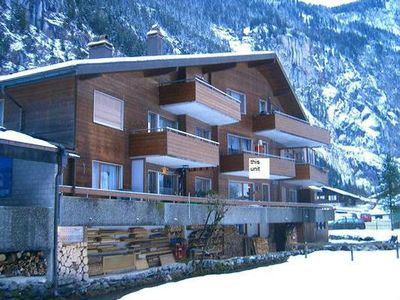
(308, 174)
(199, 100)
(173, 148)
(289, 131)
(237, 164)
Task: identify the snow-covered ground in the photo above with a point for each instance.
(323, 275)
(377, 235)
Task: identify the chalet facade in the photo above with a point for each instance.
(175, 126)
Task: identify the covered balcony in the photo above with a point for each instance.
(173, 148)
(237, 164)
(200, 100)
(289, 131)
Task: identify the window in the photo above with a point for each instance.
(262, 106)
(240, 97)
(155, 121)
(108, 110)
(2, 105)
(241, 190)
(202, 186)
(331, 197)
(266, 194)
(159, 183)
(283, 193)
(292, 195)
(204, 133)
(238, 144)
(106, 176)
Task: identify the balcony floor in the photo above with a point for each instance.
(244, 173)
(200, 112)
(175, 162)
(289, 140)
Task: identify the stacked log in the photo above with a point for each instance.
(73, 262)
(28, 263)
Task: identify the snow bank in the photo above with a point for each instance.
(377, 235)
(323, 275)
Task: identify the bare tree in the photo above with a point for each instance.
(217, 209)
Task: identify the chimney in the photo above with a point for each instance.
(101, 48)
(155, 41)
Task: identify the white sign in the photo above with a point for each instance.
(259, 168)
(71, 234)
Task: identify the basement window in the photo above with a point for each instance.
(106, 176)
(108, 110)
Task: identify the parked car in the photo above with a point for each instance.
(366, 217)
(347, 223)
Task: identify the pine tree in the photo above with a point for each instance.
(390, 185)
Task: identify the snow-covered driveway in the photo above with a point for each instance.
(323, 275)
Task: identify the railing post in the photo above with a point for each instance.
(305, 249)
(189, 205)
(397, 249)
(351, 253)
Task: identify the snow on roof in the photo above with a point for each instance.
(114, 64)
(345, 193)
(20, 139)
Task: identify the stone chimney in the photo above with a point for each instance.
(155, 41)
(100, 48)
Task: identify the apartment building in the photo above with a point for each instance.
(172, 126)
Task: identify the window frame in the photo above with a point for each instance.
(202, 178)
(242, 183)
(229, 91)
(120, 177)
(203, 130)
(158, 181)
(240, 141)
(103, 123)
(158, 117)
(259, 106)
(269, 192)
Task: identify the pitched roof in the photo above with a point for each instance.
(267, 61)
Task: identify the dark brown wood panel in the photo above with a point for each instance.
(48, 109)
(290, 125)
(310, 172)
(240, 162)
(173, 144)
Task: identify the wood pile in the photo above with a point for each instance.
(197, 241)
(118, 250)
(73, 262)
(23, 264)
(233, 242)
(175, 231)
(260, 245)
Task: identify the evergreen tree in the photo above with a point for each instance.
(390, 185)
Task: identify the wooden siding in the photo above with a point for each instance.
(102, 143)
(240, 162)
(196, 91)
(48, 110)
(173, 144)
(310, 172)
(291, 126)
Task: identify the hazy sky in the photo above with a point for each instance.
(329, 3)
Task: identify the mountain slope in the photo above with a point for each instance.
(344, 62)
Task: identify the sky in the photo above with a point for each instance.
(329, 3)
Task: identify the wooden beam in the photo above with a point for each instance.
(89, 76)
(258, 63)
(281, 92)
(218, 67)
(158, 72)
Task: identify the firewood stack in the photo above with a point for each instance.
(216, 244)
(73, 262)
(23, 264)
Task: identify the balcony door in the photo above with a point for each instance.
(159, 183)
(238, 144)
(155, 122)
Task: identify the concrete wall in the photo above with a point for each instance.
(25, 228)
(33, 184)
(76, 211)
